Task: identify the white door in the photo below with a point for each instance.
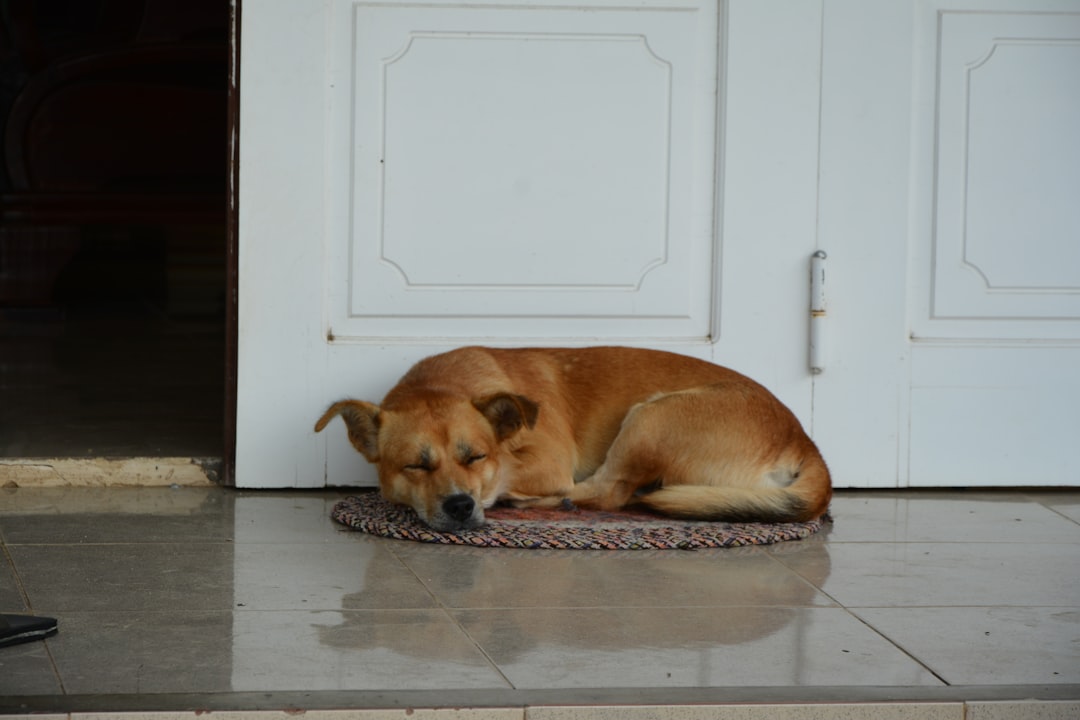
(418, 176)
(950, 210)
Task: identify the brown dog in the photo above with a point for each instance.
(605, 427)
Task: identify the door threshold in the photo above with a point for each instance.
(110, 472)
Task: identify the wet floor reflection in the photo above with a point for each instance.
(629, 618)
(213, 590)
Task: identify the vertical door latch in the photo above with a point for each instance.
(817, 312)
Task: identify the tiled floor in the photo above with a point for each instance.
(185, 599)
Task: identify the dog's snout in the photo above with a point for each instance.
(459, 507)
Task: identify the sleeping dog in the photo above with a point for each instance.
(603, 428)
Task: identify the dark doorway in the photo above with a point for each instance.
(113, 192)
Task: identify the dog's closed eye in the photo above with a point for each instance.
(426, 463)
(467, 454)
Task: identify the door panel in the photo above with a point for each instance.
(998, 416)
(949, 177)
(525, 167)
(860, 397)
(998, 167)
(995, 293)
(416, 177)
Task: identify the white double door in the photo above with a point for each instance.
(419, 176)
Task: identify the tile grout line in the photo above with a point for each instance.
(1060, 514)
(481, 650)
(446, 611)
(30, 606)
(866, 624)
(775, 558)
(15, 572)
(899, 647)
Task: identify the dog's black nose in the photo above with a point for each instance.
(459, 507)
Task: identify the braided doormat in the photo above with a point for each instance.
(570, 529)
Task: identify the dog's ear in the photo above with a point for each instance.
(508, 413)
(362, 420)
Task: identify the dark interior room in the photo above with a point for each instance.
(113, 242)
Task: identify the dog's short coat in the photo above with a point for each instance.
(604, 427)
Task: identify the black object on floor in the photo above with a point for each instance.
(15, 629)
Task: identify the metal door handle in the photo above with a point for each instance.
(817, 312)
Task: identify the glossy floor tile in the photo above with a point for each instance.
(929, 517)
(183, 598)
(363, 649)
(1067, 505)
(478, 578)
(695, 647)
(950, 574)
(134, 651)
(986, 645)
(10, 597)
(126, 577)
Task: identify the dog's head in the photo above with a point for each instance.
(443, 455)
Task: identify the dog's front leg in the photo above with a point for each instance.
(537, 483)
(597, 492)
(534, 501)
(603, 491)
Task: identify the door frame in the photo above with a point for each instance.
(232, 275)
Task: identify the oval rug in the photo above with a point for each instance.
(569, 529)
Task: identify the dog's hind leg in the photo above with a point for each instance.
(729, 452)
(634, 466)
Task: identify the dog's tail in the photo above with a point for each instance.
(795, 496)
